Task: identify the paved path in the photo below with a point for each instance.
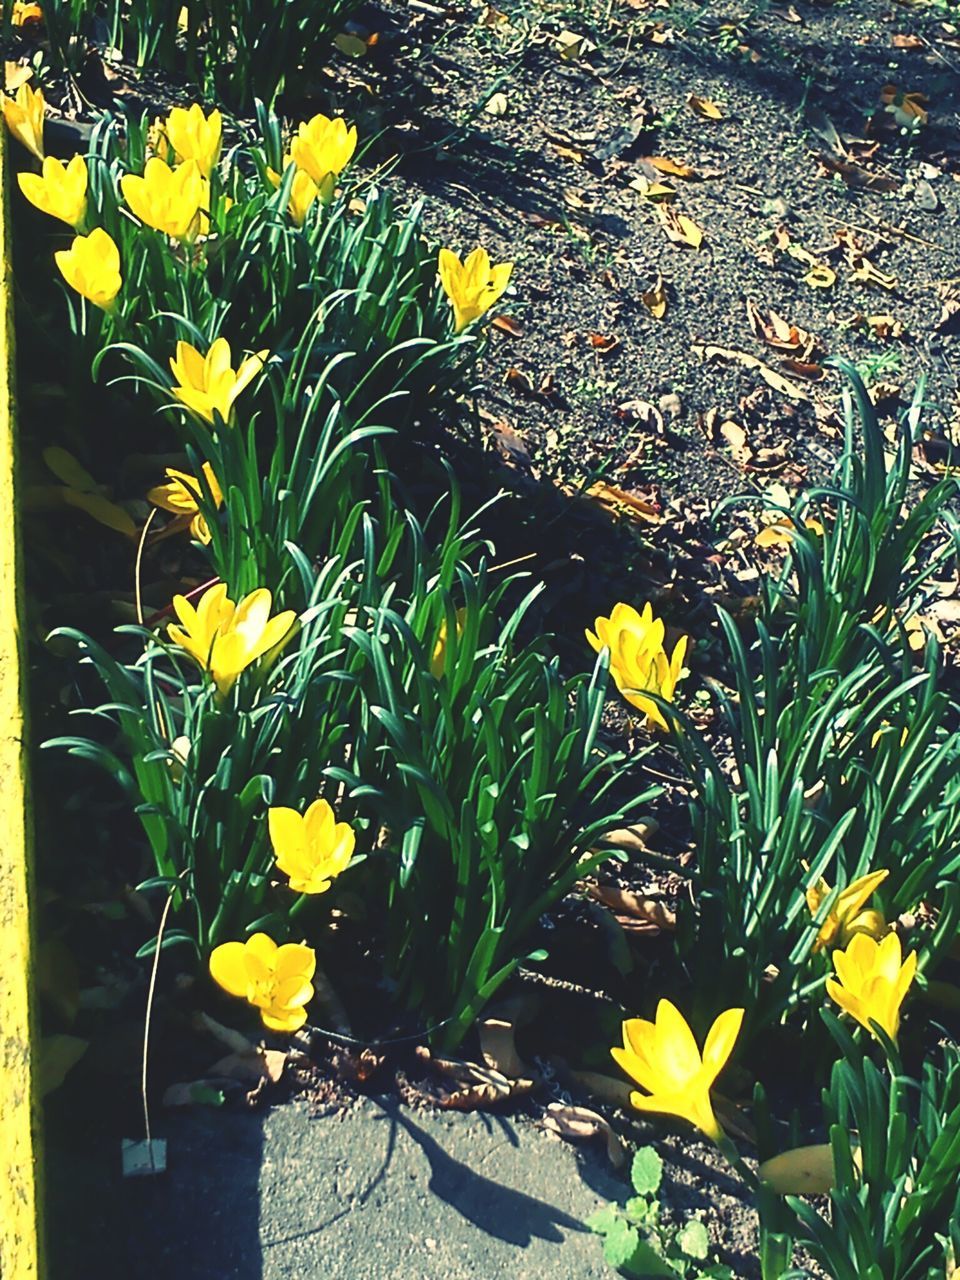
(377, 1193)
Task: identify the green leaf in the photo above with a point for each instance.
(694, 1240)
(604, 1220)
(620, 1243)
(646, 1172)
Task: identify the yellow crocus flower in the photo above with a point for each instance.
(311, 848)
(438, 659)
(472, 286)
(195, 136)
(24, 117)
(302, 194)
(275, 980)
(847, 916)
(322, 148)
(225, 638)
(92, 266)
(25, 13)
(209, 384)
(874, 980)
(181, 496)
(638, 660)
(663, 1058)
(60, 191)
(169, 200)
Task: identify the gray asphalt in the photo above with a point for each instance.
(375, 1192)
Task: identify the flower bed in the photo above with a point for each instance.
(355, 786)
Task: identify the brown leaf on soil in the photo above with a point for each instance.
(579, 1123)
(497, 1031)
(644, 414)
(506, 324)
(652, 914)
(820, 276)
(885, 326)
(259, 1064)
(906, 108)
(867, 272)
(679, 228)
(808, 369)
(777, 332)
(705, 108)
(949, 321)
(604, 343)
(474, 1087)
(620, 502)
(777, 381)
(655, 299)
(854, 175)
(673, 168)
(518, 381)
(633, 839)
(900, 41)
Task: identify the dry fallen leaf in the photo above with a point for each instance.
(866, 272)
(854, 175)
(580, 1122)
(679, 228)
(518, 381)
(784, 386)
(604, 343)
(644, 414)
(820, 277)
(906, 42)
(496, 105)
(507, 324)
(620, 502)
(497, 1031)
(705, 107)
(673, 168)
(655, 299)
(650, 915)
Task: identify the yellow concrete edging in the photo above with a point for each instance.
(20, 1195)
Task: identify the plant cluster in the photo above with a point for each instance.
(348, 682)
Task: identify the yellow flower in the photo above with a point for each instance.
(438, 659)
(225, 638)
(209, 384)
(663, 1058)
(59, 191)
(92, 266)
(885, 728)
(275, 980)
(166, 199)
(311, 848)
(472, 286)
(195, 136)
(25, 13)
(24, 117)
(302, 194)
(323, 148)
(181, 496)
(847, 916)
(874, 979)
(638, 660)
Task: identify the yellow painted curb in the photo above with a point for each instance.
(20, 1234)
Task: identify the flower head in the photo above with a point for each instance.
(323, 148)
(663, 1058)
(311, 848)
(169, 200)
(303, 192)
(181, 495)
(25, 13)
(225, 638)
(638, 660)
(59, 190)
(92, 266)
(848, 915)
(472, 286)
(275, 980)
(24, 117)
(209, 384)
(438, 659)
(874, 980)
(195, 136)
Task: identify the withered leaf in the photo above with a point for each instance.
(773, 379)
(673, 168)
(604, 343)
(704, 107)
(507, 324)
(645, 414)
(570, 1121)
(620, 502)
(679, 228)
(655, 299)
